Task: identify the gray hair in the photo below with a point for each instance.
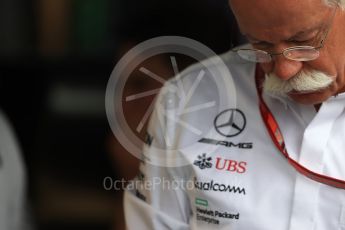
(340, 3)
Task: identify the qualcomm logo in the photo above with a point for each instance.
(218, 187)
(203, 161)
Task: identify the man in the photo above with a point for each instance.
(282, 164)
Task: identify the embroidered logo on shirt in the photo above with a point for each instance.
(202, 202)
(203, 161)
(221, 164)
(214, 186)
(210, 215)
(230, 122)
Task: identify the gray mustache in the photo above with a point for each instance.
(304, 81)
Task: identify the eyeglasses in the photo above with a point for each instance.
(295, 53)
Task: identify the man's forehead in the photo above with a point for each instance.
(278, 6)
(283, 17)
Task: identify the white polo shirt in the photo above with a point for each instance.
(236, 178)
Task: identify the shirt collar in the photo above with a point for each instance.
(287, 101)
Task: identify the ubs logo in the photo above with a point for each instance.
(231, 165)
(230, 122)
(222, 164)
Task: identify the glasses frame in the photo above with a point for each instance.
(286, 51)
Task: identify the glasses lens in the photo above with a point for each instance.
(307, 53)
(254, 55)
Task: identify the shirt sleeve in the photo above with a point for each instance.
(157, 198)
(155, 203)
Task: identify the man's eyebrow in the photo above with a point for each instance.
(250, 37)
(296, 35)
(305, 32)
(255, 40)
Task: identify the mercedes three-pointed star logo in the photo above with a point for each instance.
(230, 122)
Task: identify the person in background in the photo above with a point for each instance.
(13, 210)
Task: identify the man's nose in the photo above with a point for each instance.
(285, 68)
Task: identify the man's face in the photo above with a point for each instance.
(273, 25)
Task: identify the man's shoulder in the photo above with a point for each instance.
(229, 59)
(226, 70)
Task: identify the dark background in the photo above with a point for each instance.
(56, 57)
